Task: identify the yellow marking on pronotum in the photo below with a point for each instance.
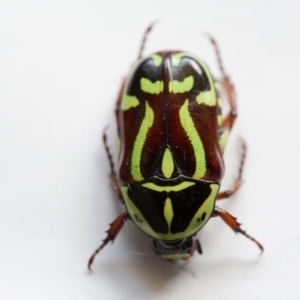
(139, 143)
(136, 215)
(151, 87)
(168, 212)
(157, 59)
(176, 188)
(207, 207)
(167, 165)
(194, 226)
(223, 139)
(128, 102)
(189, 127)
(186, 85)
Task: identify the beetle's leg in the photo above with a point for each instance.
(112, 175)
(112, 232)
(234, 225)
(149, 28)
(238, 182)
(228, 121)
(218, 55)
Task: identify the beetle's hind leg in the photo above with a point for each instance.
(238, 182)
(229, 120)
(234, 225)
(112, 232)
(149, 28)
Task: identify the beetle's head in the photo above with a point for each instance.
(180, 249)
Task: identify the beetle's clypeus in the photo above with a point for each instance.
(172, 138)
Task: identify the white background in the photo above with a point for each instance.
(61, 64)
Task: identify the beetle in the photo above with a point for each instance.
(172, 139)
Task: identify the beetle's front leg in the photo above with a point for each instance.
(234, 225)
(112, 232)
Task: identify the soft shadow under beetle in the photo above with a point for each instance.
(172, 138)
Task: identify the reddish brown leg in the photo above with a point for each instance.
(238, 182)
(145, 38)
(234, 225)
(229, 89)
(231, 117)
(112, 175)
(113, 231)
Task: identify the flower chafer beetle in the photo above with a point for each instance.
(172, 139)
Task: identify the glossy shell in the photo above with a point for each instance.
(170, 162)
(169, 102)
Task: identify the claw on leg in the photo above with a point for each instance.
(112, 232)
(235, 226)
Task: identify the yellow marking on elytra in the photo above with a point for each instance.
(176, 58)
(129, 102)
(175, 188)
(150, 87)
(167, 165)
(220, 120)
(207, 98)
(118, 144)
(186, 85)
(223, 139)
(139, 143)
(168, 212)
(189, 127)
(220, 102)
(213, 96)
(157, 59)
(195, 225)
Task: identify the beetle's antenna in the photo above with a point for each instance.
(149, 28)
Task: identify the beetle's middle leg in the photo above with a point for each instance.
(238, 182)
(112, 175)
